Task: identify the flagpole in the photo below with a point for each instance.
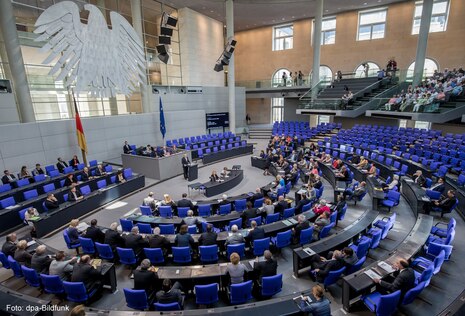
(83, 152)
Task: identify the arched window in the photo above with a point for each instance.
(277, 79)
(326, 74)
(372, 70)
(428, 70)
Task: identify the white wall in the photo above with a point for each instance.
(201, 43)
(42, 142)
(8, 111)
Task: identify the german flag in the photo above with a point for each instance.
(79, 130)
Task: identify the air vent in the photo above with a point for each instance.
(196, 90)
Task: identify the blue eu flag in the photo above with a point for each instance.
(162, 120)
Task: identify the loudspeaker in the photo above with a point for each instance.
(162, 49)
(164, 58)
(171, 21)
(218, 67)
(227, 54)
(232, 42)
(229, 49)
(164, 40)
(166, 31)
(224, 60)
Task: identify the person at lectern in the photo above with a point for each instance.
(185, 166)
(214, 177)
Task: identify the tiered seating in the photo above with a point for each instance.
(302, 129)
(192, 140)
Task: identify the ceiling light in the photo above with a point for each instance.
(364, 3)
(293, 17)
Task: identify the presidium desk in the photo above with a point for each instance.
(159, 168)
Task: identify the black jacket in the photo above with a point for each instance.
(23, 257)
(85, 176)
(135, 242)
(40, 263)
(266, 268)
(208, 239)
(51, 204)
(403, 281)
(185, 203)
(281, 206)
(6, 180)
(328, 266)
(157, 241)
(127, 149)
(71, 195)
(299, 228)
(257, 196)
(83, 272)
(113, 239)
(61, 166)
(256, 233)
(95, 234)
(300, 205)
(248, 214)
(9, 249)
(145, 280)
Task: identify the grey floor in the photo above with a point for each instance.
(444, 287)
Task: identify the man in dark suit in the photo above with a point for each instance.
(445, 204)
(185, 165)
(70, 179)
(257, 195)
(185, 202)
(419, 179)
(266, 268)
(158, 241)
(145, 278)
(255, 233)
(7, 177)
(74, 194)
(170, 293)
(61, 165)
(438, 186)
(40, 261)
(248, 213)
(322, 267)
(135, 241)
(94, 233)
(9, 247)
(209, 237)
(38, 170)
(303, 224)
(304, 201)
(51, 202)
(85, 174)
(126, 148)
(404, 278)
(113, 238)
(281, 205)
(84, 272)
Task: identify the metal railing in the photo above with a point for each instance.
(267, 83)
(317, 88)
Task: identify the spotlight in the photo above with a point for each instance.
(224, 60)
(155, 90)
(166, 31)
(218, 67)
(164, 40)
(164, 58)
(168, 20)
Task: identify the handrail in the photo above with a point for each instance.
(363, 91)
(313, 87)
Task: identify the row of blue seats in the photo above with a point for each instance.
(215, 149)
(217, 143)
(199, 139)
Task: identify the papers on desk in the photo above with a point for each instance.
(82, 226)
(30, 243)
(307, 300)
(407, 180)
(293, 221)
(386, 267)
(425, 199)
(11, 207)
(194, 203)
(287, 222)
(96, 263)
(302, 191)
(309, 251)
(372, 274)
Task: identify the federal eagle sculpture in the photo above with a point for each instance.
(91, 57)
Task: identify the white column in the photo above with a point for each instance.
(422, 42)
(16, 63)
(137, 24)
(231, 80)
(317, 45)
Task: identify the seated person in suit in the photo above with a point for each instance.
(24, 173)
(438, 186)
(303, 201)
(191, 220)
(235, 237)
(320, 222)
(225, 172)
(74, 162)
(38, 170)
(22, 256)
(257, 195)
(185, 202)
(209, 237)
(51, 202)
(224, 200)
(303, 223)
(255, 233)
(319, 307)
(100, 171)
(8, 177)
(170, 293)
(74, 194)
(61, 267)
(145, 278)
(343, 174)
(70, 179)
(85, 174)
(341, 203)
(235, 270)
(149, 201)
(321, 208)
(94, 233)
(61, 165)
(159, 241)
(394, 183)
(9, 247)
(135, 241)
(248, 213)
(30, 213)
(120, 177)
(359, 190)
(321, 267)
(40, 261)
(281, 205)
(419, 179)
(214, 177)
(444, 204)
(266, 268)
(113, 238)
(349, 256)
(73, 233)
(267, 208)
(84, 272)
(404, 278)
(126, 147)
(183, 238)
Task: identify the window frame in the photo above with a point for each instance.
(275, 38)
(371, 25)
(326, 18)
(418, 3)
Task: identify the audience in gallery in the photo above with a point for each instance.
(428, 96)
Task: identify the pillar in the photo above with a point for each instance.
(231, 80)
(16, 63)
(422, 42)
(137, 24)
(317, 45)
